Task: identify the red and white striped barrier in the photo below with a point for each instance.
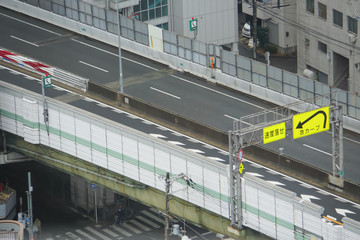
(26, 62)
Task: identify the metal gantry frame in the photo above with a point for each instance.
(247, 131)
(337, 178)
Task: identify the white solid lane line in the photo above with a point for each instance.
(237, 119)
(316, 149)
(160, 91)
(221, 93)
(31, 24)
(93, 66)
(114, 54)
(25, 41)
(232, 118)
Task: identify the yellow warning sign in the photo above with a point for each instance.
(241, 168)
(274, 133)
(311, 122)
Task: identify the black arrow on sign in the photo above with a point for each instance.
(300, 125)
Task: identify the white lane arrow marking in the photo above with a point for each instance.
(276, 183)
(343, 211)
(308, 197)
(176, 143)
(157, 135)
(255, 174)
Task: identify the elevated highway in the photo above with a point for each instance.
(75, 144)
(92, 107)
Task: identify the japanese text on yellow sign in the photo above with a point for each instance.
(274, 133)
(311, 122)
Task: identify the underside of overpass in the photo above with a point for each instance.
(124, 186)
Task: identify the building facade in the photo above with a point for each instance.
(217, 21)
(279, 16)
(327, 42)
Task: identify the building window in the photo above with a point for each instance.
(322, 47)
(338, 18)
(151, 9)
(310, 6)
(322, 11)
(352, 25)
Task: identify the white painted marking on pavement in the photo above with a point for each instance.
(111, 233)
(217, 159)
(306, 185)
(316, 149)
(341, 200)
(195, 150)
(152, 216)
(102, 236)
(193, 140)
(343, 211)
(30, 24)
(122, 231)
(308, 197)
(221, 93)
(147, 122)
(131, 228)
(233, 118)
(148, 222)
(166, 93)
(22, 40)
(276, 183)
(176, 143)
(140, 225)
(116, 55)
(85, 234)
(323, 192)
(73, 236)
(88, 64)
(255, 174)
(157, 135)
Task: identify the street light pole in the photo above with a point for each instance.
(119, 43)
(30, 210)
(167, 228)
(254, 28)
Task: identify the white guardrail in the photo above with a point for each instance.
(266, 208)
(45, 70)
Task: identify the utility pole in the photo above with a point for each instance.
(167, 228)
(30, 212)
(121, 81)
(254, 28)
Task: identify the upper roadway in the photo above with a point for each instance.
(168, 89)
(161, 86)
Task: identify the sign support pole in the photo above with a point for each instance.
(337, 148)
(235, 143)
(45, 109)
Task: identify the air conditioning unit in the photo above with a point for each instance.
(307, 42)
(352, 38)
